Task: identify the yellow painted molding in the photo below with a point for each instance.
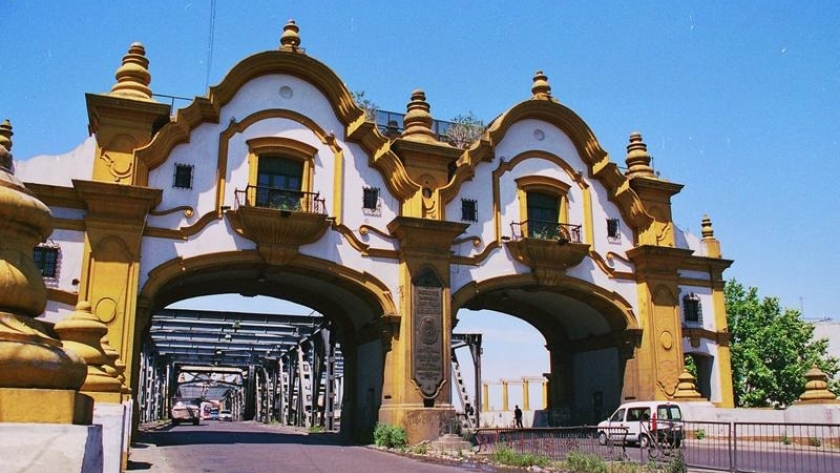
(63, 297)
(188, 211)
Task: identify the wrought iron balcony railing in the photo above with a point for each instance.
(289, 200)
(562, 233)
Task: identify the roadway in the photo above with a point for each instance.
(245, 447)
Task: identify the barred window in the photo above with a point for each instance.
(370, 198)
(183, 176)
(613, 232)
(46, 260)
(692, 310)
(469, 210)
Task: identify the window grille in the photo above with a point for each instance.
(183, 176)
(370, 198)
(46, 260)
(469, 210)
(692, 310)
(613, 232)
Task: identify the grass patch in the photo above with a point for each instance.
(506, 456)
(389, 436)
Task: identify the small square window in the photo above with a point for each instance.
(613, 232)
(46, 260)
(469, 211)
(370, 198)
(183, 176)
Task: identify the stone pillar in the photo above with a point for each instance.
(526, 401)
(39, 380)
(505, 403)
(416, 391)
(659, 358)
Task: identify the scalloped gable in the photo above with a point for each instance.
(207, 109)
(597, 160)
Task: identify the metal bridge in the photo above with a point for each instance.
(263, 367)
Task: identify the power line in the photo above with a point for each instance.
(210, 41)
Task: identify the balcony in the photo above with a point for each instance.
(547, 246)
(290, 200)
(279, 220)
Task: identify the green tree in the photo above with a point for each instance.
(464, 129)
(771, 349)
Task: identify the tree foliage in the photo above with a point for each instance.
(464, 130)
(771, 349)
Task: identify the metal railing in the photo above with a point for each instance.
(391, 125)
(756, 447)
(289, 200)
(554, 442)
(765, 447)
(560, 232)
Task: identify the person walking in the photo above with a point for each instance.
(517, 417)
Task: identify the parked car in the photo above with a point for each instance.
(214, 414)
(226, 415)
(641, 421)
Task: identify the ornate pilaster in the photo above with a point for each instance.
(416, 390)
(39, 381)
(659, 358)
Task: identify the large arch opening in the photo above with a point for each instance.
(588, 335)
(343, 312)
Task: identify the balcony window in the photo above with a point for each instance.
(279, 182)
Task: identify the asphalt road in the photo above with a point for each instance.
(243, 447)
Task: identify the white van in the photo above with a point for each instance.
(637, 422)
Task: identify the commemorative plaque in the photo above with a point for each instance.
(427, 320)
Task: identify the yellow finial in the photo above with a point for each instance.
(290, 39)
(6, 134)
(816, 388)
(540, 88)
(686, 389)
(708, 231)
(133, 76)
(638, 159)
(417, 122)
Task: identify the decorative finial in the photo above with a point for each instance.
(638, 159)
(133, 76)
(82, 333)
(6, 134)
(290, 39)
(816, 388)
(6, 162)
(541, 89)
(686, 389)
(708, 231)
(417, 122)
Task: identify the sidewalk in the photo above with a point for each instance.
(147, 457)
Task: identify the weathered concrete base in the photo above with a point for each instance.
(113, 419)
(50, 448)
(45, 406)
(451, 444)
(420, 423)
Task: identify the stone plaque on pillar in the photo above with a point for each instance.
(427, 350)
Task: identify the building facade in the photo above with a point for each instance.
(277, 183)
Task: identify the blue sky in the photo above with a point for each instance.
(741, 104)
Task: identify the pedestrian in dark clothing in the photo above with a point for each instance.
(517, 416)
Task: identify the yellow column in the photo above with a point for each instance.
(526, 398)
(545, 394)
(485, 400)
(504, 395)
